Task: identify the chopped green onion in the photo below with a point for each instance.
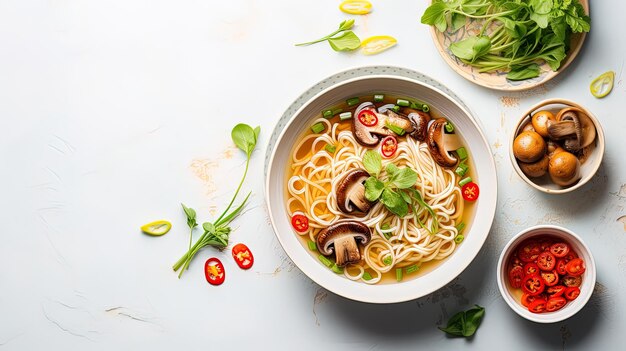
(415, 106)
(461, 169)
(412, 268)
(330, 148)
(394, 128)
(336, 269)
(352, 101)
(460, 227)
(337, 111)
(327, 113)
(459, 238)
(318, 127)
(462, 153)
(425, 108)
(402, 102)
(385, 226)
(449, 128)
(387, 235)
(387, 260)
(395, 109)
(325, 261)
(345, 116)
(399, 274)
(379, 98)
(367, 276)
(312, 245)
(465, 181)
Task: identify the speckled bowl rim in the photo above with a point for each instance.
(586, 288)
(599, 145)
(391, 293)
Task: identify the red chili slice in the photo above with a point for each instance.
(470, 191)
(516, 274)
(533, 284)
(243, 256)
(368, 118)
(550, 278)
(300, 222)
(572, 293)
(529, 251)
(560, 266)
(555, 303)
(571, 281)
(528, 299)
(559, 249)
(214, 271)
(575, 267)
(538, 306)
(530, 268)
(556, 290)
(545, 244)
(570, 256)
(389, 146)
(515, 261)
(546, 261)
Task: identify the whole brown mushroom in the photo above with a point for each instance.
(529, 147)
(536, 169)
(564, 168)
(541, 121)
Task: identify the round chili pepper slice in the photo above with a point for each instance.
(550, 278)
(572, 293)
(243, 256)
(570, 280)
(556, 290)
(533, 284)
(546, 261)
(470, 191)
(559, 249)
(560, 266)
(214, 271)
(368, 118)
(530, 268)
(389, 146)
(538, 306)
(516, 274)
(575, 267)
(528, 299)
(529, 250)
(555, 303)
(300, 222)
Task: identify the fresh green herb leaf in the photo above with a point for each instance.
(388, 260)
(522, 73)
(346, 41)
(458, 21)
(373, 162)
(394, 202)
(435, 15)
(244, 137)
(405, 178)
(373, 188)
(465, 323)
(471, 48)
(191, 216)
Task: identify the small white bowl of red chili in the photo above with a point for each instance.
(546, 274)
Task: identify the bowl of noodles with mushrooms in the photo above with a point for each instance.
(381, 187)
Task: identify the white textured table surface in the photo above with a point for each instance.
(106, 105)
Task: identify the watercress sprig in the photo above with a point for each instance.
(345, 41)
(465, 323)
(217, 233)
(396, 190)
(191, 221)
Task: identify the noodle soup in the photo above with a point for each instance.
(380, 188)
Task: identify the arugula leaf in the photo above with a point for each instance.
(373, 188)
(524, 72)
(373, 162)
(345, 41)
(465, 323)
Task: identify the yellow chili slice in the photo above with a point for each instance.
(377, 44)
(602, 86)
(356, 7)
(156, 228)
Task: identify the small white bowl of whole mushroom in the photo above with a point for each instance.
(557, 146)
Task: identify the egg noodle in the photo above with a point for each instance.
(312, 191)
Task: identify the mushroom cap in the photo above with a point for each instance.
(528, 127)
(350, 190)
(585, 129)
(564, 168)
(419, 120)
(529, 147)
(553, 148)
(362, 133)
(541, 120)
(536, 169)
(338, 230)
(437, 144)
(370, 135)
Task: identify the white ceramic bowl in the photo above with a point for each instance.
(587, 169)
(588, 277)
(364, 81)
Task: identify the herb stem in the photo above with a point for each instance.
(245, 172)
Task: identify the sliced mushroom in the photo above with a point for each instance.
(573, 126)
(370, 135)
(341, 238)
(351, 191)
(419, 120)
(441, 144)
